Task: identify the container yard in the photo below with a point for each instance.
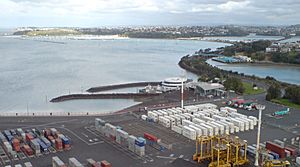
(162, 137)
(20, 143)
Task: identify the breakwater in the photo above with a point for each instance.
(121, 86)
(102, 96)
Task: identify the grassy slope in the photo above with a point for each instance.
(286, 102)
(53, 32)
(250, 91)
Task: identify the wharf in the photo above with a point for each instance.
(121, 86)
(103, 96)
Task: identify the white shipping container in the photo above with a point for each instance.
(220, 126)
(177, 129)
(164, 122)
(215, 128)
(238, 123)
(186, 123)
(246, 123)
(203, 129)
(254, 120)
(28, 164)
(172, 121)
(189, 132)
(198, 121)
(298, 160)
(226, 127)
(73, 162)
(231, 126)
(210, 130)
(198, 130)
(140, 150)
(56, 162)
(144, 117)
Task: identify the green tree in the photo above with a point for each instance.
(274, 92)
(235, 84)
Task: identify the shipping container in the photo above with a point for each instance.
(58, 144)
(276, 148)
(189, 132)
(121, 137)
(73, 162)
(35, 145)
(198, 130)
(254, 120)
(210, 130)
(16, 145)
(238, 123)
(56, 162)
(293, 151)
(27, 150)
(46, 141)
(279, 142)
(150, 137)
(104, 163)
(28, 164)
(298, 161)
(140, 150)
(177, 129)
(29, 137)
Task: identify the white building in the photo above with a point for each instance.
(173, 83)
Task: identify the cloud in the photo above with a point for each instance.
(131, 12)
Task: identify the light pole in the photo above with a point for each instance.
(260, 108)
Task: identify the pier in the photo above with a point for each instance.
(121, 86)
(102, 96)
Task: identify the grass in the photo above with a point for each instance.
(286, 102)
(250, 91)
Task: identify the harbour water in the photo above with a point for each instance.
(285, 73)
(33, 71)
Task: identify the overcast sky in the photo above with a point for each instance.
(95, 13)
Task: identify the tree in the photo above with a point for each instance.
(274, 92)
(235, 84)
(293, 94)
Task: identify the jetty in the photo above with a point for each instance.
(103, 96)
(121, 86)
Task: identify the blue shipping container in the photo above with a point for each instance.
(65, 140)
(46, 141)
(275, 155)
(43, 146)
(7, 133)
(9, 138)
(139, 142)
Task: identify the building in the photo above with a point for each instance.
(272, 49)
(173, 83)
(205, 88)
(243, 58)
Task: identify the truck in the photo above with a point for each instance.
(281, 112)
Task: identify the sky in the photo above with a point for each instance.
(97, 13)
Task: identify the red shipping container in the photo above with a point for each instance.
(29, 137)
(58, 144)
(293, 151)
(104, 163)
(150, 137)
(16, 145)
(276, 148)
(47, 133)
(67, 146)
(27, 150)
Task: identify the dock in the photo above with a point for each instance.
(121, 86)
(102, 96)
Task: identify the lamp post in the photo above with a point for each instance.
(260, 108)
